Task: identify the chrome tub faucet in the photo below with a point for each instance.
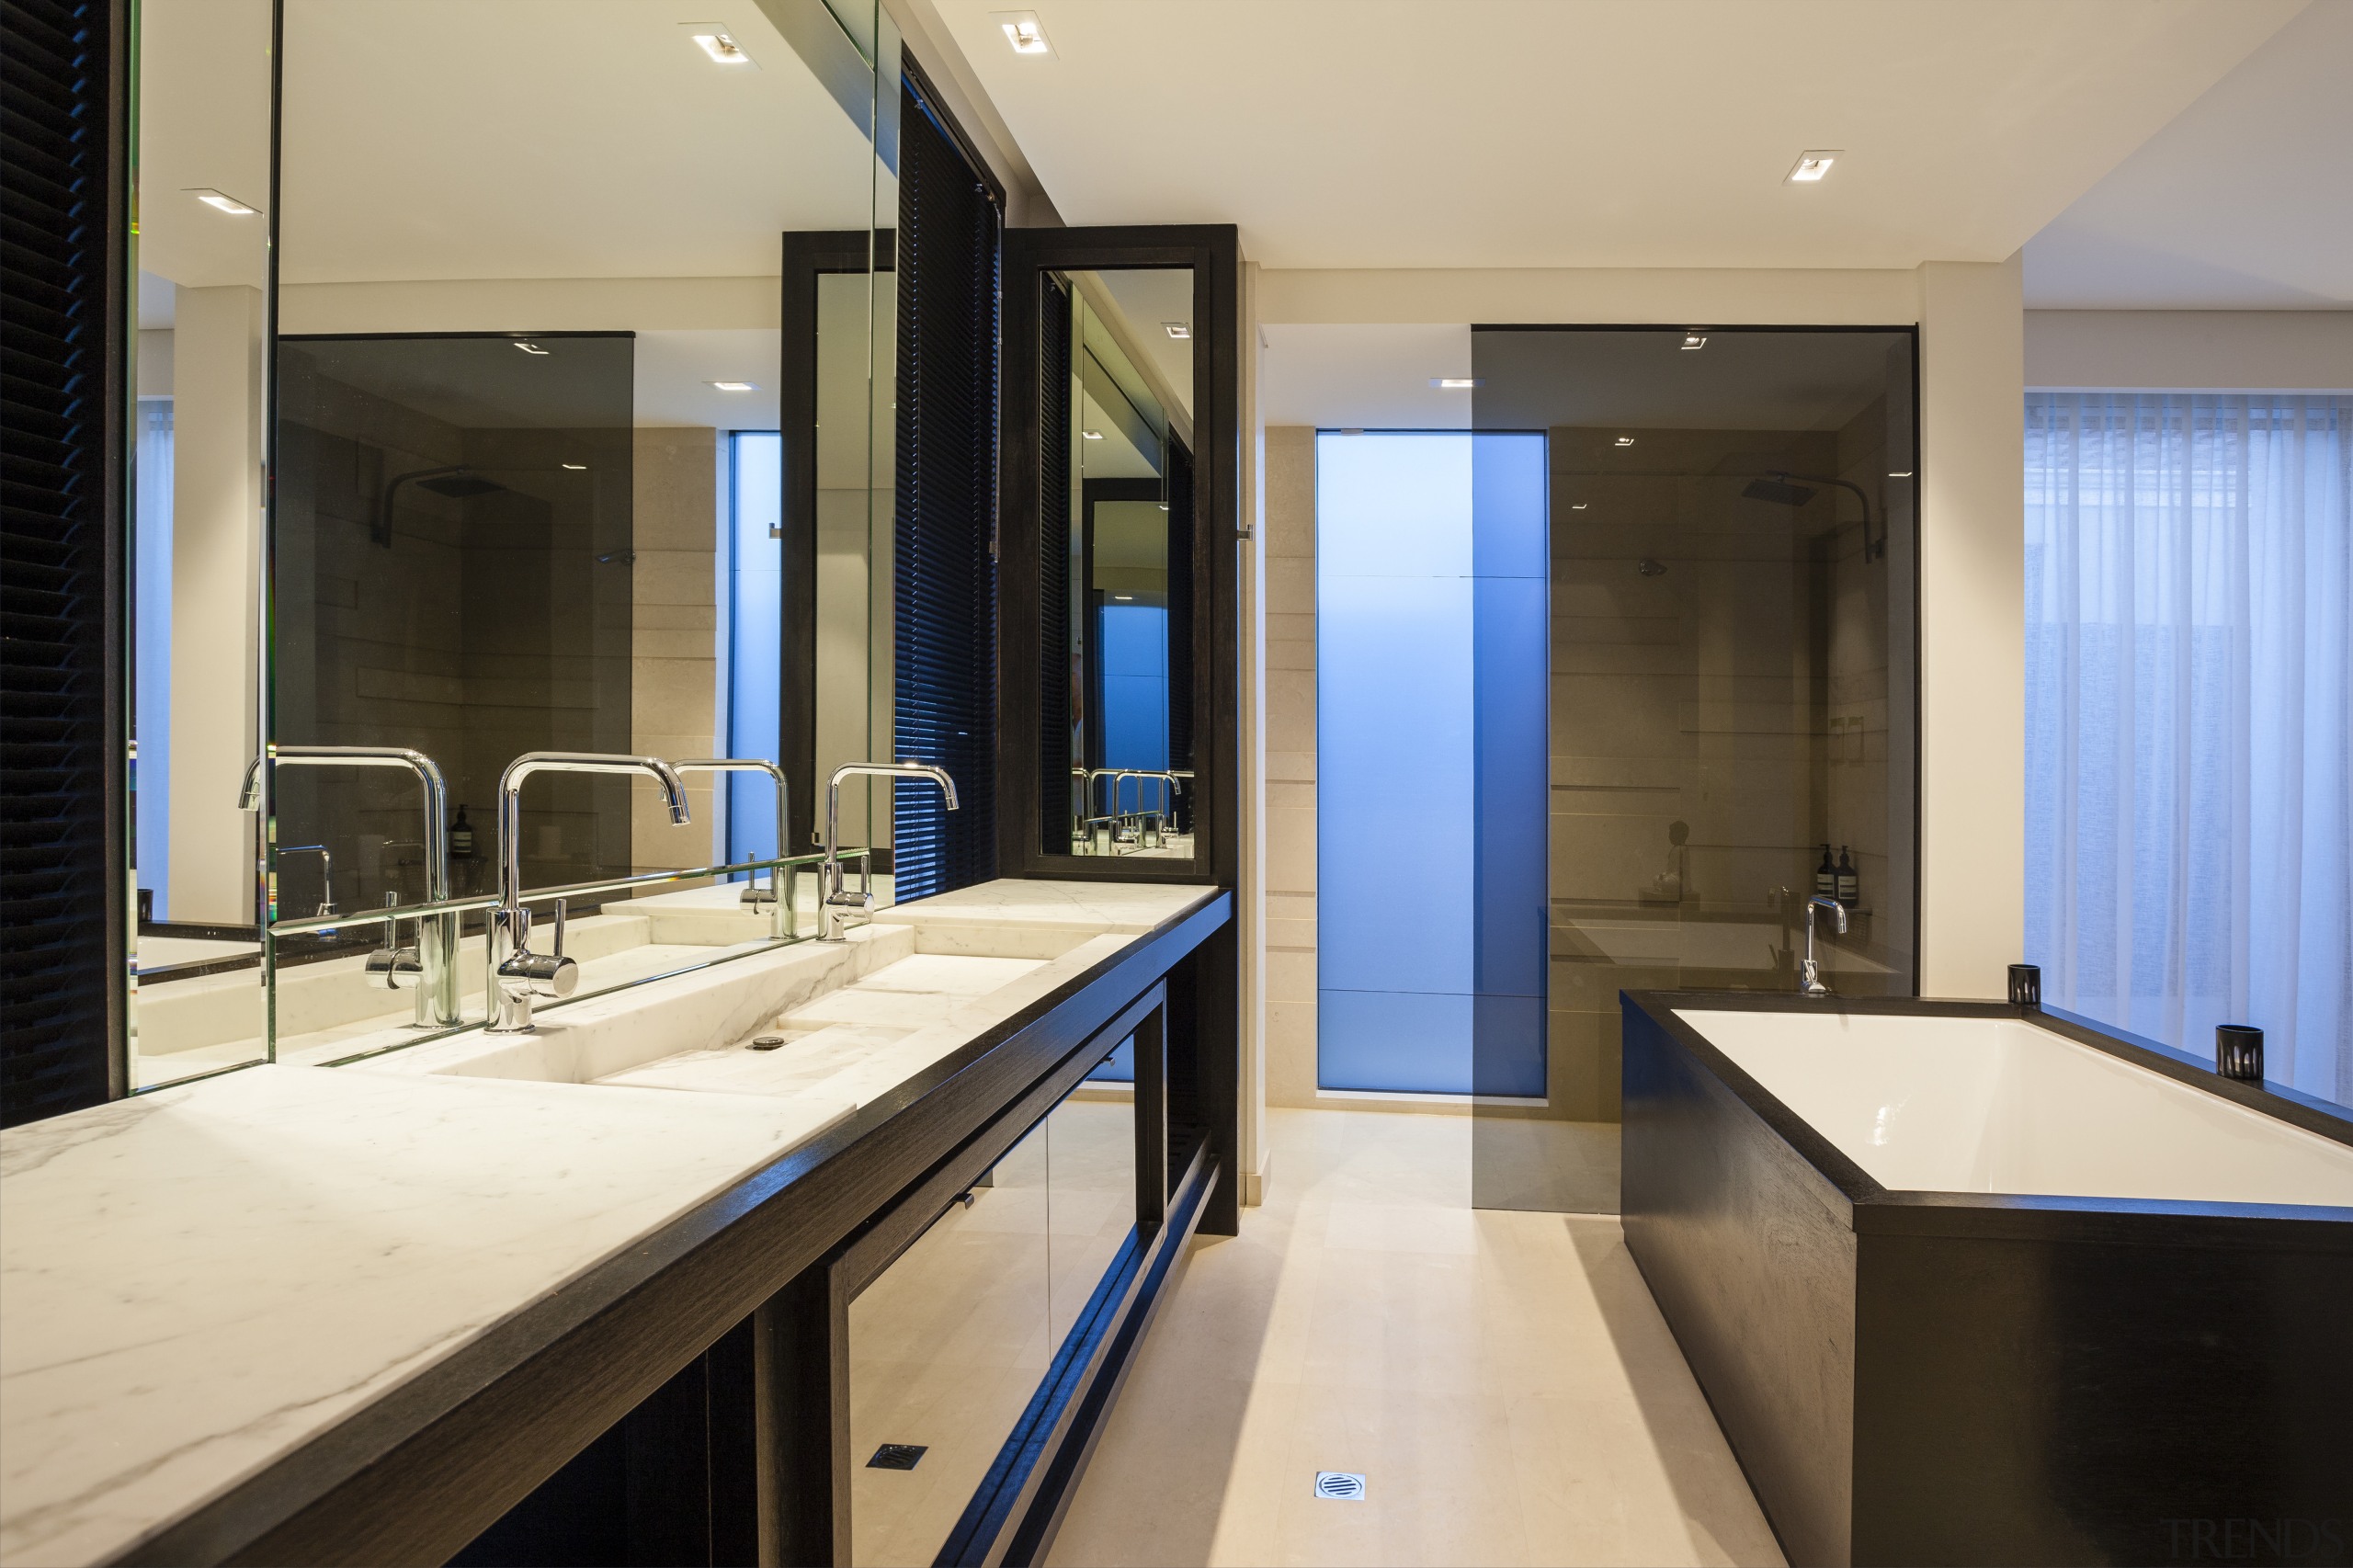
(1810, 972)
(836, 903)
(523, 975)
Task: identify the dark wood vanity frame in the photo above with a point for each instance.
(1961, 1378)
(711, 1360)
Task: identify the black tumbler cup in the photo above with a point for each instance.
(2238, 1052)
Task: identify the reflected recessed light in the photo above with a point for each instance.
(1579, 506)
(1625, 441)
(1905, 474)
(737, 386)
(1178, 328)
(1455, 384)
(719, 43)
(1022, 31)
(577, 467)
(1811, 165)
(221, 201)
(1695, 339)
(1124, 597)
(529, 347)
(1092, 435)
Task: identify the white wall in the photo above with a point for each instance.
(216, 568)
(2208, 350)
(1973, 627)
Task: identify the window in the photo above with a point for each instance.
(1431, 734)
(2189, 714)
(755, 633)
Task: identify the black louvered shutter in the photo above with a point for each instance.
(946, 571)
(61, 863)
(1054, 759)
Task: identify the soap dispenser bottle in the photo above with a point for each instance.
(1850, 884)
(461, 836)
(1825, 876)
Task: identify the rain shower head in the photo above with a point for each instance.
(1778, 490)
(461, 485)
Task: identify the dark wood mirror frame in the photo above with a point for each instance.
(1214, 254)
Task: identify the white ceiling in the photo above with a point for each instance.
(2244, 201)
(1397, 133)
(1371, 378)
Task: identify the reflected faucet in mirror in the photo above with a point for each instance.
(1809, 971)
(433, 962)
(836, 903)
(778, 893)
(524, 976)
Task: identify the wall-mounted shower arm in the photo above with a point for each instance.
(1871, 551)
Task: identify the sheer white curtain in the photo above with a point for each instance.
(2189, 712)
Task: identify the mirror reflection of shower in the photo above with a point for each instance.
(1119, 346)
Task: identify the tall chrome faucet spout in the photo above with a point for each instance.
(834, 902)
(523, 975)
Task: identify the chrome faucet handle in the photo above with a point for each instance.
(393, 967)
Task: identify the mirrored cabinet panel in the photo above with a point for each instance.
(484, 357)
(1116, 409)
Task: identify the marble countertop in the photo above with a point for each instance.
(198, 1280)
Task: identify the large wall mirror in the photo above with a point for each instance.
(466, 400)
(1117, 581)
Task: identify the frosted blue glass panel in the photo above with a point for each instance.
(1431, 788)
(756, 630)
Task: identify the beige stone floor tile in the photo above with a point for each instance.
(1502, 1378)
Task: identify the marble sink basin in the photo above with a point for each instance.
(855, 1018)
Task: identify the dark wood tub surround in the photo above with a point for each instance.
(730, 1315)
(1966, 1378)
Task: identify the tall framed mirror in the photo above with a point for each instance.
(1120, 512)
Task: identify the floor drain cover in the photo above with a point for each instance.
(1339, 1484)
(767, 1042)
(896, 1456)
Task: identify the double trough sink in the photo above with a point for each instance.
(840, 1023)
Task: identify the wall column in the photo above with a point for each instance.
(1973, 627)
(216, 570)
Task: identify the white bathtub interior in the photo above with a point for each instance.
(1996, 1105)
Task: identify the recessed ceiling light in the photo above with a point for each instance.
(737, 386)
(1625, 441)
(1579, 506)
(1905, 474)
(719, 43)
(1022, 31)
(221, 201)
(1811, 165)
(1124, 597)
(1695, 339)
(529, 347)
(577, 467)
(1178, 328)
(1455, 384)
(1092, 435)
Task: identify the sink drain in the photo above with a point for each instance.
(766, 1043)
(896, 1456)
(1340, 1485)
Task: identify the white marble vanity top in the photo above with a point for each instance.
(198, 1280)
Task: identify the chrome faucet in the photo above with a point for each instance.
(326, 874)
(523, 975)
(1810, 972)
(431, 967)
(780, 888)
(836, 901)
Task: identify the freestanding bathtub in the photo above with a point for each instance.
(1968, 1283)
